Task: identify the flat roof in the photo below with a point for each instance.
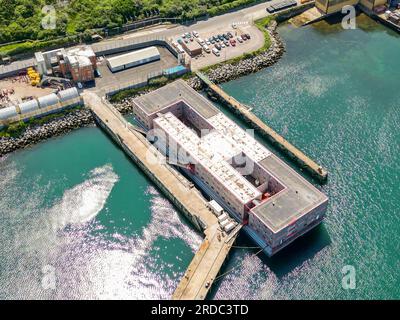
(204, 152)
(298, 198)
(133, 56)
(161, 98)
(192, 45)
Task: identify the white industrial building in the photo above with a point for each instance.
(133, 59)
(274, 203)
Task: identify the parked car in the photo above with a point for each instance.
(196, 34)
(180, 41)
(239, 39)
(216, 52)
(244, 37)
(232, 42)
(200, 41)
(221, 37)
(248, 36)
(206, 48)
(186, 40)
(188, 35)
(217, 46)
(230, 35)
(223, 45)
(226, 42)
(234, 26)
(180, 49)
(208, 42)
(212, 41)
(225, 36)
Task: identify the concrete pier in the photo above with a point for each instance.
(315, 169)
(208, 260)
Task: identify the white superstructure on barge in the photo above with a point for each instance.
(273, 202)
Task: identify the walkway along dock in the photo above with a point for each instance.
(316, 170)
(212, 253)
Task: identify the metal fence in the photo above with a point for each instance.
(116, 46)
(137, 83)
(140, 24)
(141, 81)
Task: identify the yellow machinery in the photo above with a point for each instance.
(34, 76)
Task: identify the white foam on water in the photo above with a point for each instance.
(83, 202)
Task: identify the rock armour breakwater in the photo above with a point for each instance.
(83, 117)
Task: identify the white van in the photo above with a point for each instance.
(206, 48)
(180, 49)
(216, 52)
(201, 41)
(229, 226)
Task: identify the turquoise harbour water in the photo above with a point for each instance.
(79, 220)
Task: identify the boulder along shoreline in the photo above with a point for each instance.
(82, 117)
